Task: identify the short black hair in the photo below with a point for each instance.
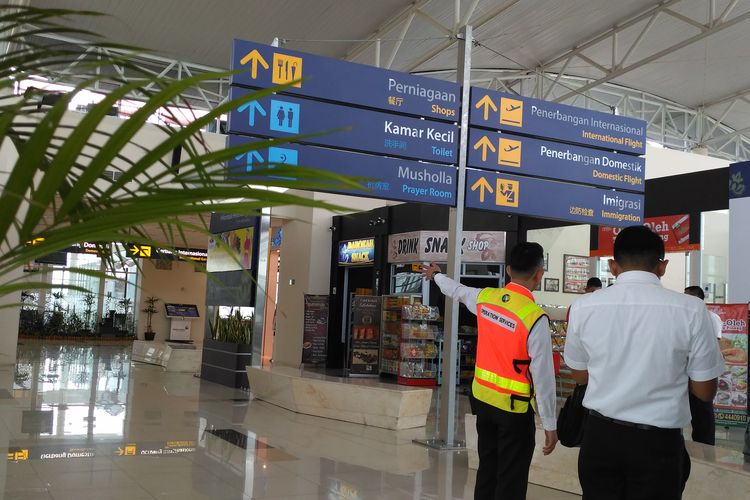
(639, 247)
(594, 282)
(525, 259)
(696, 291)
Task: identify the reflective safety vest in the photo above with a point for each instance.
(505, 316)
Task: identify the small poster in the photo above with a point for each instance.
(315, 329)
(576, 270)
(730, 405)
(364, 335)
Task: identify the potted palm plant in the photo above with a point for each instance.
(149, 310)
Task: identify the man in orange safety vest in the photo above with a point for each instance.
(514, 374)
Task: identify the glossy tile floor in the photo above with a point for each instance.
(83, 422)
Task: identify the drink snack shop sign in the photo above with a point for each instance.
(674, 230)
(427, 246)
(730, 404)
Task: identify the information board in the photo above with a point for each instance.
(389, 178)
(315, 329)
(552, 199)
(345, 127)
(335, 80)
(539, 158)
(513, 113)
(181, 310)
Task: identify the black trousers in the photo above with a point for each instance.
(618, 462)
(703, 421)
(505, 444)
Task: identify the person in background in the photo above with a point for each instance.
(702, 412)
(514, 367)
(640, 348)
(592, 285)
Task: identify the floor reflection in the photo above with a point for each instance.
(82, 422)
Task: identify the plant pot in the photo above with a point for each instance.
(149, 335)
(225, 362)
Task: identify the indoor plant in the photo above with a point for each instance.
(53, 189)
(150, 310)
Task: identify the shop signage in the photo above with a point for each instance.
(730, 404)
(673, 229)
(315, 329)
(336, 80)
(525, 156)
(345, 127)
(429, 246)
(552, 199)
(517, 114)
(364, 335)
(388, 178)
(357, 252)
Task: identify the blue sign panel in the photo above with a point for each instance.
(351, 83)
(357, 252)
(389, 178)
(525, 115)
(525, 156)
(358, 129)
(502, 192)
(739, 180)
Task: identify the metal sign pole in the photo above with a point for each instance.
(447, 418)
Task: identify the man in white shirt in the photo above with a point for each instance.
(640, 348)
(514, 366)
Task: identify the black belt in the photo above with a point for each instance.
(643, 427)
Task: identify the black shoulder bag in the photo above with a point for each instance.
(572, 418)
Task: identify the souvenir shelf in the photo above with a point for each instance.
(390, 338)
(418, 350)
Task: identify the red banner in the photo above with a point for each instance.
(673, 229)
(730, 405)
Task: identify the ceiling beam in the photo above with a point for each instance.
(477, 25)
(617, 72)
(386, 27)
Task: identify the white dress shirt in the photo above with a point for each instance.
(717, 323)
(640, 343)
(539, 345)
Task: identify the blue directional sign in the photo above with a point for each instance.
(524, 115)
(555, 160)
(388, 178)
(501, 192)
(351, 83)
(363, 130)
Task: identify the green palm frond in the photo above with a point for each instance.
(52, 185)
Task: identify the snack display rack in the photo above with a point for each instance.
(418, 350)
(390, 338)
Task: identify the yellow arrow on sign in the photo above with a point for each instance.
(120, 452)
(483, 186)
(134, 251)
(486, 101)
(485, 143)
(254, 57)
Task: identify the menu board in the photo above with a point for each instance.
(364, 334)
(315, 331)
(730, 404)
(576, 270)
